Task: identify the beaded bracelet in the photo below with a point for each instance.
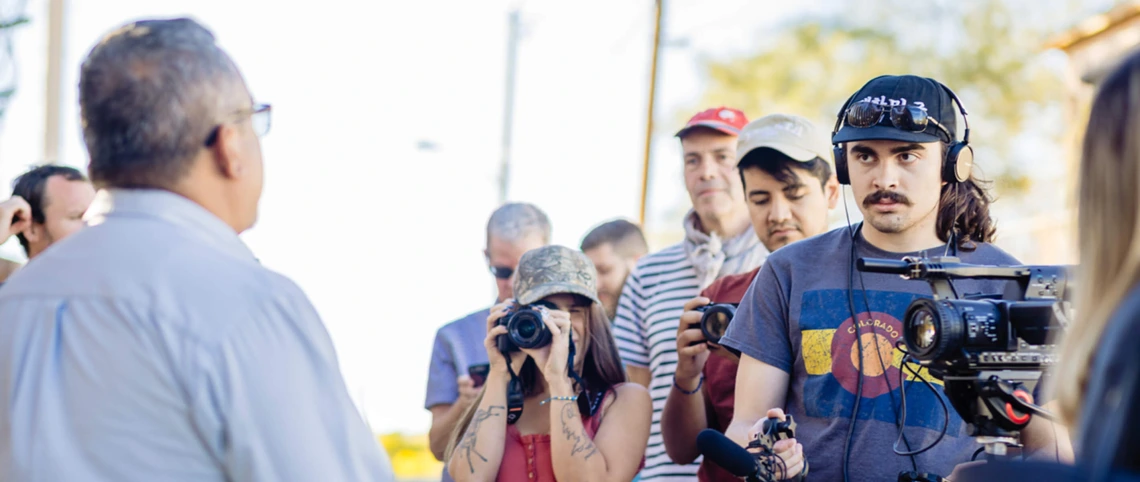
(568, 399)
(686, 392)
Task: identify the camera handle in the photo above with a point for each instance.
(773, 431)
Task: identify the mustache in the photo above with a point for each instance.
(781, 226)
(877, 196)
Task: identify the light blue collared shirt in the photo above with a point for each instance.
(153, 346)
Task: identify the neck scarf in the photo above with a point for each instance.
(713, 257)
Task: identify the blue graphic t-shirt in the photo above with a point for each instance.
(797, 316)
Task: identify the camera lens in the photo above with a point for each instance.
(527, 330)
(715, 320)
(922, 323)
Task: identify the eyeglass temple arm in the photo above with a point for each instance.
(839, 117)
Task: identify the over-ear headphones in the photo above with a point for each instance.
(956, 165)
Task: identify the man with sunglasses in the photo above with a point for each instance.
(153, 345)
(802, 351)
(514, 229)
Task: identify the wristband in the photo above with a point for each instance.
(686, 392)
(568, 399)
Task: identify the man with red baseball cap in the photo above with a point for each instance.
(719, 241)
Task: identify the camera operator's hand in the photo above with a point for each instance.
(15, 208)
(789, 450)
(494, 357)
(552, 358)
(691, 359)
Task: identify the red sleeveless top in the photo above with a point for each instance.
(527, 457)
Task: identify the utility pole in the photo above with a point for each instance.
(649, 117)
(509, 105)
(54, 73)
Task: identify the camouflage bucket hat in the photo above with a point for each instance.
(552, 270)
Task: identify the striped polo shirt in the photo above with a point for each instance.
(646, 333)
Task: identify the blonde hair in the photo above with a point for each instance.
(1109, 227)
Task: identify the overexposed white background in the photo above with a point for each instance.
(384, 235)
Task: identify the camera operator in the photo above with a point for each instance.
(801, 349)
(580, 420)
(153, 345)
(614, 247)
(47, 205)
(785, 167)
(1098, 379)
(513, 229)
(719, 241)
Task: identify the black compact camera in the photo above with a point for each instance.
(525, 328)
(715, 318)
(989, 350)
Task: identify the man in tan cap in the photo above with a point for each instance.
(785, 164)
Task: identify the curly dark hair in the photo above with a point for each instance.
(964, 212)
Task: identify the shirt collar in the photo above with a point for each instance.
(172, 208)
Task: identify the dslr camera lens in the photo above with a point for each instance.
(525, 329)
(715, 320)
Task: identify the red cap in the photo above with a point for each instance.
(724, 119)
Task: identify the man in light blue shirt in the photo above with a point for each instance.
(153, 346)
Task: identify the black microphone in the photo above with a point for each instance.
(888, 266)
(727, 454)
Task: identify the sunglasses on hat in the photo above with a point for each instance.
(908, 118)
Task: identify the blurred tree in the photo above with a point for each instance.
(989, 52)
(11, 16)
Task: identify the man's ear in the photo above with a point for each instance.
(227, 152)
(831, 191)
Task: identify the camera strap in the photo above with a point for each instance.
(515, 396)
(586, 405)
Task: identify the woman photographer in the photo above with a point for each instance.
(580, 421)
(1097, 378)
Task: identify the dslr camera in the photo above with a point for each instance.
(715, 318)
(525, 327)
(989, 350)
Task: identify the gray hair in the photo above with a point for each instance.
(150, 92)
(514, 222)
(625, 237)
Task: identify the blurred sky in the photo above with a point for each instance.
(384, 237)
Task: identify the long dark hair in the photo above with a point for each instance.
(964, 211)
(601, 371)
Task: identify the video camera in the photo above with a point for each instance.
(715, 318)
(989, 350)
(525, 327)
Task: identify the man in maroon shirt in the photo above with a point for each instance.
(789, 185)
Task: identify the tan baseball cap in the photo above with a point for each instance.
(795, 136)
(552, 270)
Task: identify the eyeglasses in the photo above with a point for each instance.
(909, 118)
(501, 272)
(258, 117)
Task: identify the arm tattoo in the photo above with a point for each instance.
(471, 437)
(580, 442)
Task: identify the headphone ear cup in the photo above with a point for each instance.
(959, 162)
(840, 155)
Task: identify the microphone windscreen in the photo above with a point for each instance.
(726, 453)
